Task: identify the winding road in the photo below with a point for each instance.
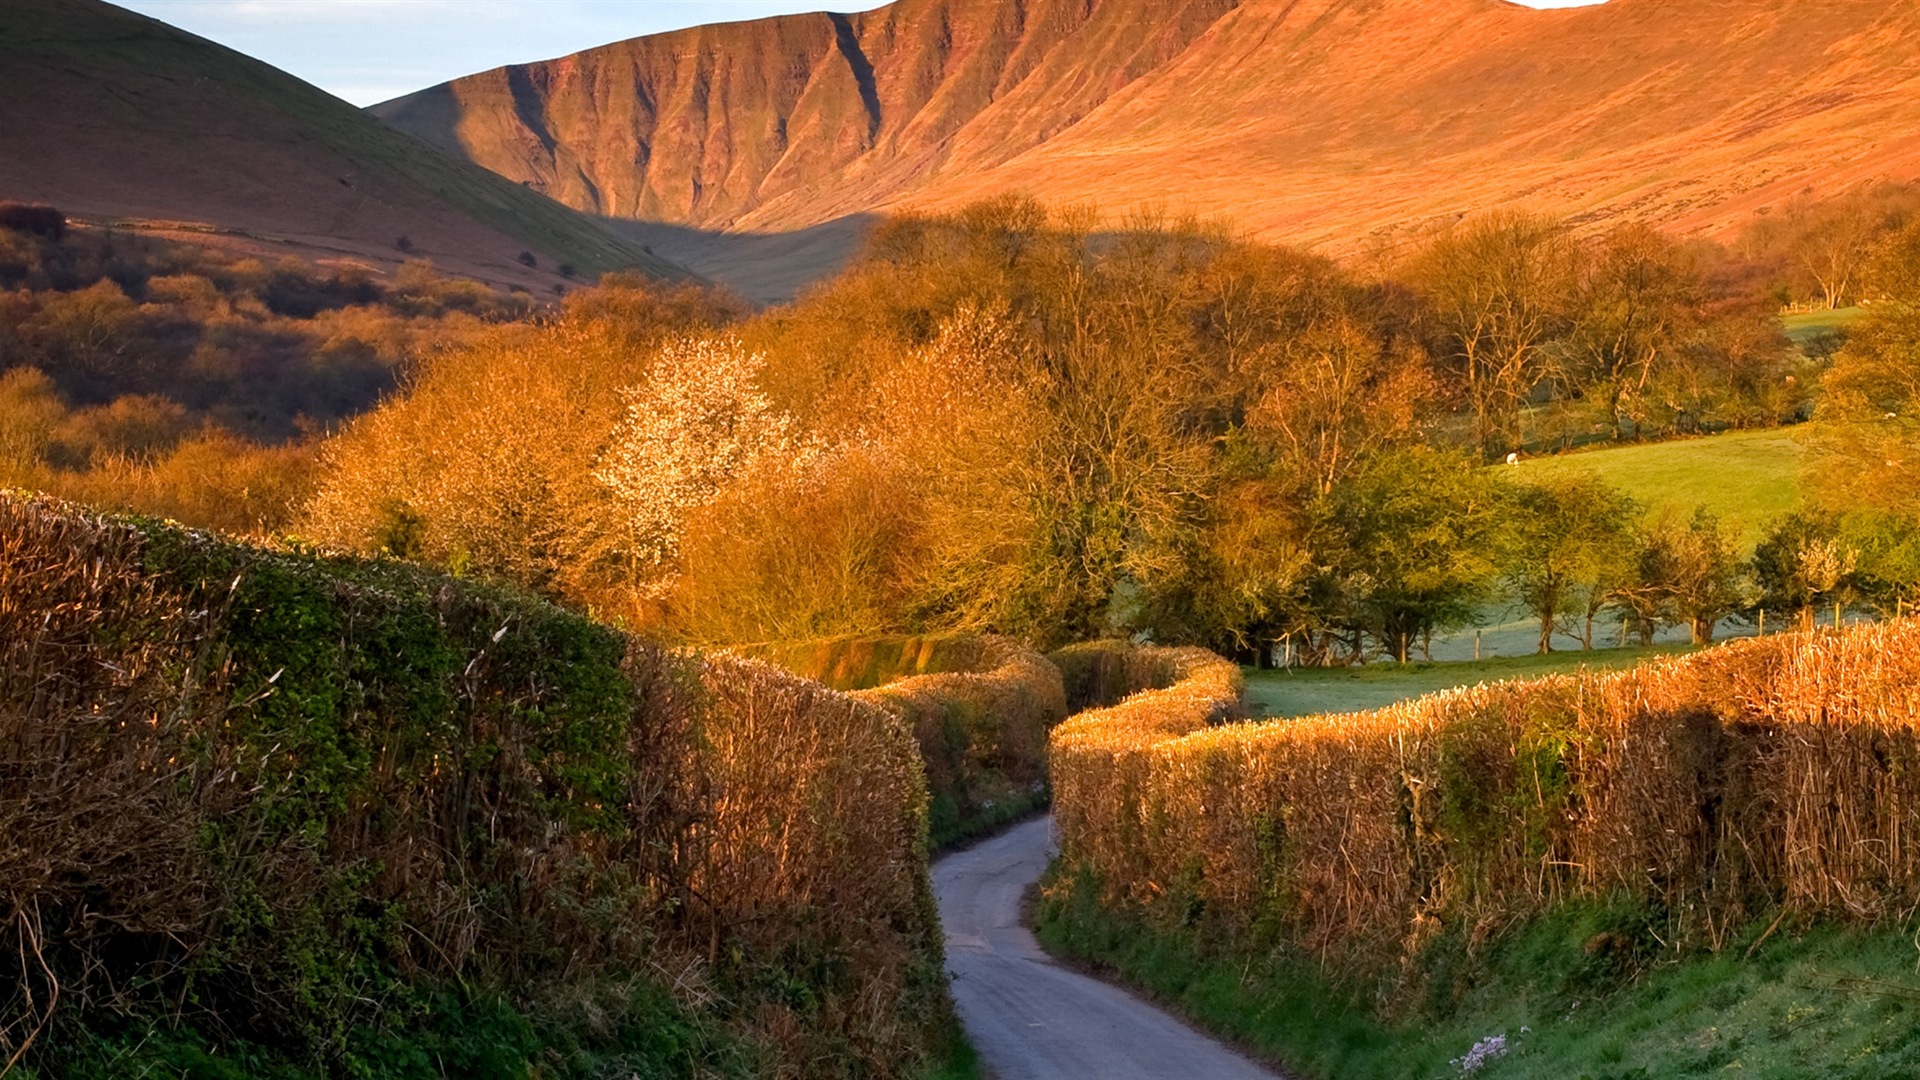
(1032, 1019)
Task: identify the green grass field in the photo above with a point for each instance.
(1747, 478)
(1804, 328)
(1313, 691)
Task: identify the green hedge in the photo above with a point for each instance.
(278, 813)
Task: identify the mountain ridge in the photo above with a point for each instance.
(1339, 123)
(568, 126)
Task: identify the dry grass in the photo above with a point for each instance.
(1775, 772)
(433, 779)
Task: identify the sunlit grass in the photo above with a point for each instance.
(1805, 327)
(1746, 478)
(1587, 991)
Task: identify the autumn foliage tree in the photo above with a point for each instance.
(486, 462)
(1042, 424)
(1869, 434)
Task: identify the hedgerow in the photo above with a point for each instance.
(979, 706)
(1759, 778)
(305, 815)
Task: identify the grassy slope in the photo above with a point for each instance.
(1810, 325)
(1819, 1002)
(207, 133)
(1747, 478)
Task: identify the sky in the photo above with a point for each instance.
(367, 51)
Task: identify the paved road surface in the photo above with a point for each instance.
(1032, 1019)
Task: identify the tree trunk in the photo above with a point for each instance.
(1399, 642)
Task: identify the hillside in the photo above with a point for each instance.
(125, 121)
(1343, 123)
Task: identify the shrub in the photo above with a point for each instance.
(494, 456)
(42, 221)
(799, 550)
(982, 735)
(1101, 673)
(1101, 759)
(979, 707)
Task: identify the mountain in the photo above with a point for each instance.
(113, 116)
(1340, 123)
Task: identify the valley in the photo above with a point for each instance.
(970, 540)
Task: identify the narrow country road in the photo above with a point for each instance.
(1032, 1019)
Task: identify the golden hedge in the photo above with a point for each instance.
(1762, 773)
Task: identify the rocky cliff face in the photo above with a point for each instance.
(798, 120)
(1341, 122)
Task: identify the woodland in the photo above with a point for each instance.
(1011, 420)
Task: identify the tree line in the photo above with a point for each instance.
(1029, 421)
(1018, 420)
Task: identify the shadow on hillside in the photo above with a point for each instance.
(766, 268)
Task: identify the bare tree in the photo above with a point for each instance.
(1639, 295)
(1339, 396)
(1834, 249)
(1495, 293)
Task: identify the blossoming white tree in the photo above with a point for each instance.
(698, 423)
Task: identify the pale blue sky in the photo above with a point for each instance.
(371, 50)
